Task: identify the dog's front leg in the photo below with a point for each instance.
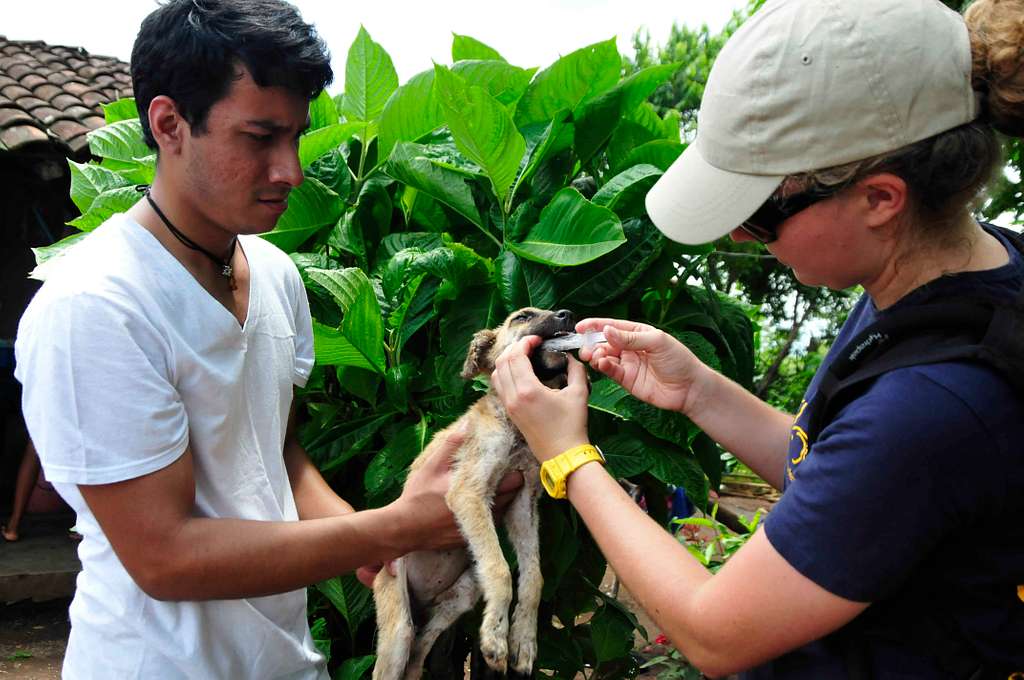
(469, 498)
(522, 524)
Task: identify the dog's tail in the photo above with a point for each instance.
(395, 630)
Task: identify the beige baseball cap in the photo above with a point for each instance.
(810, 84)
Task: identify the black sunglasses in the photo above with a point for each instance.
(763, 225)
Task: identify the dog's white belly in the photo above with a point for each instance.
(432, 572)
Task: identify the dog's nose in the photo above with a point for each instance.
(564, 315)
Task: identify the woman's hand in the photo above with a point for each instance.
(551, 420)
(649, 363)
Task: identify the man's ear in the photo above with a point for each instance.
(167, 124)
(478, 359)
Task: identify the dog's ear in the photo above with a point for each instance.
(477, 360)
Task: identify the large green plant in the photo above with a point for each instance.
(429, 211)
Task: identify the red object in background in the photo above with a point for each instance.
(661, 640)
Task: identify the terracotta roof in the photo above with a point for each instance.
(51, 93)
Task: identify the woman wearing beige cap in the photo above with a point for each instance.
(852, 139)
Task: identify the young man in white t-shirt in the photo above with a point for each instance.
(158, 364)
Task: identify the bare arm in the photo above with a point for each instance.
(756, 608)
(314, 498)
(657, 368)
(174, 555)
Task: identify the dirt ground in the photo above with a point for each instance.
(33, 636)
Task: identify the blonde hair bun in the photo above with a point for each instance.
(997, 52)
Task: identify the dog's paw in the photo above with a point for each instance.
(522, 647)
(495, 651)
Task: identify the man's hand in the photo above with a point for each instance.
(430, 477)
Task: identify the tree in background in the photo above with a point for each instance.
(798, 323)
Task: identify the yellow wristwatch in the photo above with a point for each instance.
(555, 472)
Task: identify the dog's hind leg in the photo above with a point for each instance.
(395, 630)
(470, 502)
(450, 605)
(522, 524)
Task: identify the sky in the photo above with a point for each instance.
(526, 32)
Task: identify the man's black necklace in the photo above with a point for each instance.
(226, 270)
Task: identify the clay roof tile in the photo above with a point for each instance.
(57, 90)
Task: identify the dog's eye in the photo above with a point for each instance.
(523, 316)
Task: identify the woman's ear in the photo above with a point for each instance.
(167, 124)
(885, 198)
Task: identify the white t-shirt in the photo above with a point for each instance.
(125, 360)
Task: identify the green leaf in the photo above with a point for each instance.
(625, 192)
(89, 181)
(611, 633)
(560, 549)
(397, 384)
(710, 459)
(361, 327)
(311, 206)
(606, 395)
(479, 307)
(660, 153)
(410, 113)
(465, 47)
(552, 138)
(332, 348)
(408, 165)
(678, 467)
(353, 601)
(570, 82)
(106, 204)
(355, 668)
(141, 171)
(120, 141)
(122, 109)
(415, 309)
(598, 118)
(322, 112)
(646, 116)
(331, 170)
(501, 80)
(388, 467)
(370, 78)
(48, 257)
(317, 143)
(525, 284)
(606, 278)
(482, 128)
(571, 231)
(627, 136)
(360, 382)
(625, 454)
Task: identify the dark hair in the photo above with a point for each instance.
(190, 51)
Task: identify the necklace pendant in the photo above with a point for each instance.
(227, 271)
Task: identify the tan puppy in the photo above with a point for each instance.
(432, 589)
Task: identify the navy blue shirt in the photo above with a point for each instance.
(912, 498)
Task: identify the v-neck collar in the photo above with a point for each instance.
(184, 273)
